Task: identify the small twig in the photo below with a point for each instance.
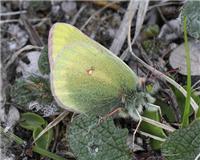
(196, 83)
(124, 54)
(142, 9)
(163, 4)
(13, 13)
(95, 14)
(19, 52)
(77, 15)
(19, 20)
(41, 22)
(144, 54)
(121, 34)
(195, 89)
(52, 124)
(9, 21)
(34, 37)
(55, 138)
(162, 16)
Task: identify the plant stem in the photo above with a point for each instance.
(46, 153)
(186, 113)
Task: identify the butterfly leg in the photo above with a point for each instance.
(102, 119)
(137, 127)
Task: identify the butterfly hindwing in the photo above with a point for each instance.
(85, 76)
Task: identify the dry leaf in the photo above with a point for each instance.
(177, 58)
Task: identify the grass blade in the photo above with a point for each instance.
(186, 113)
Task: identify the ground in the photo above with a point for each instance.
(25, 27)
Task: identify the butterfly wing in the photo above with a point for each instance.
(85, 76)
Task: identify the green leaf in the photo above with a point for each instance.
(191, 11)
(186, 113)
(184, 143)
(181, 100)
(36, 123)
(151, 129)
(43, 62)
(31, 121)
(45, 140)
(166, 109)
(92, 140)
(197, 100)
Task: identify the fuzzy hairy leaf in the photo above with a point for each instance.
(34, 88)
(183, 144)
(92, 140)
(192, 12)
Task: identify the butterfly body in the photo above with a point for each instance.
(85, 76)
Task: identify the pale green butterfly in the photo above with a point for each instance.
(88, 78)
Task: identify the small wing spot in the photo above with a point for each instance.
(90, 71)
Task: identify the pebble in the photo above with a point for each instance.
(69, 7)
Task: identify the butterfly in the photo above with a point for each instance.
(88, 78)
